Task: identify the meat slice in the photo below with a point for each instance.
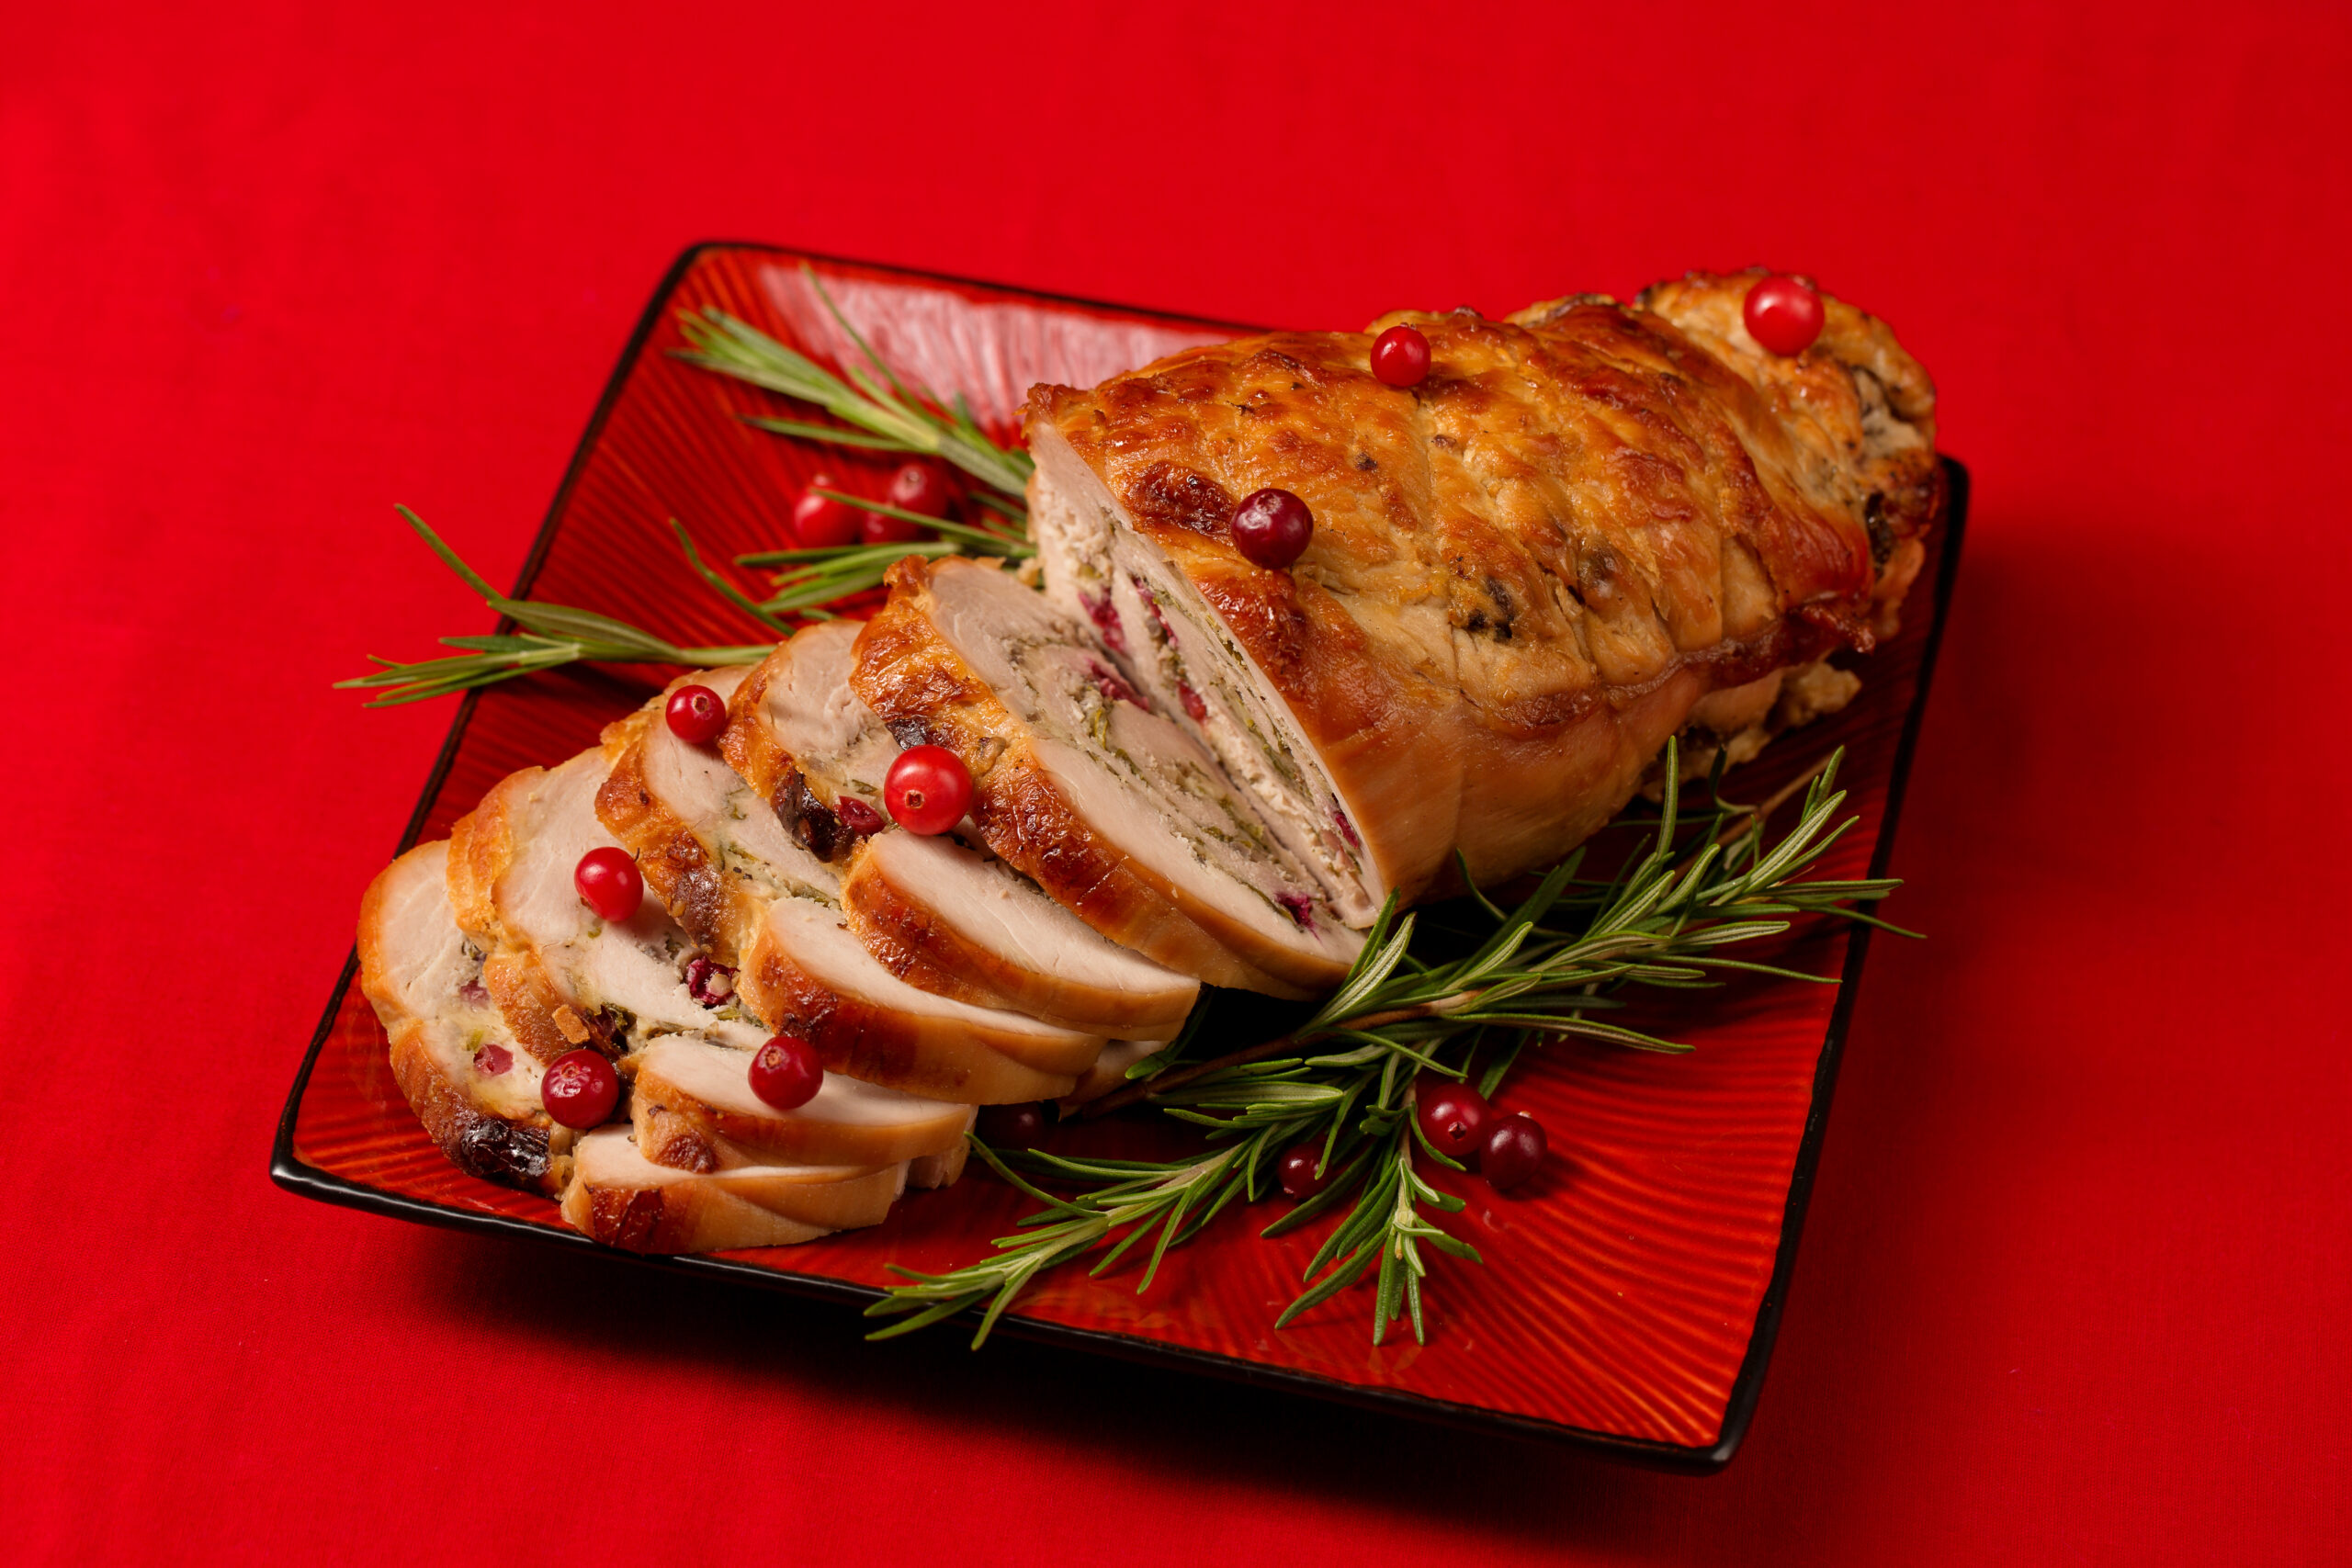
(804, 742)
(940, 914)
(693, 1108)
(1119, 812)
(806, 975)
(709, 844)
(951, 920)
(709, 848)
(620, 1197)
(1168, 640)
(561, 975)
(475, 1092)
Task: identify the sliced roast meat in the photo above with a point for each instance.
(804, 743)
(967, 926)
(1168, 640)
(788, 960)
(562, 976)
(806, 975)
(475, 1092)
(964, 924)
(618, 1197)
(1117, 812)
(688, 1093)
(709, 848)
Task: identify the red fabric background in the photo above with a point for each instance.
(2075, 1286)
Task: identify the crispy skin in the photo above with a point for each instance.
(1527, 570)
(908, 674)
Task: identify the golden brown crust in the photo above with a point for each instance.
(908, 674)
(1527, 569)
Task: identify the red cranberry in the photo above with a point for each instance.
(1400, 357)
(1198, 709)
(1271, 528)
(820, 522)
(1298, 1171)
(920, 487)
(709, 982)
(492, 1060)
(1782, 314)
(695, 715)
(1011, 1126)
(1512, 1151)
(859, 817)
(579, 1090)
(785, 1072)
(928, 789)
(608, 879)
(1454, 1116)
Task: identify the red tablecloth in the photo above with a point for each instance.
(2075, 1285)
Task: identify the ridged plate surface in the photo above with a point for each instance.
(1629, 1293)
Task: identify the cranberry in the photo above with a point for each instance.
(1105, 617)
(1400, 357)
(608, 879)
(928, 789)
(1114, 690)
(492, 1060)
(820, 522)
(1011, 1126)
(1271, 528)
(920, 487)
(1299, 1177)
(785, 1072)
(1783, 315)
(1193, 704)
(1299, 907)
(1512, 1150)
(859, 817)
(581, 1089)
(708, 982)
(695, 715)
(1454, 1116)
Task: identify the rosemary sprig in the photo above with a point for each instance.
(553, 635)
(1408, 1010)
(884, 415)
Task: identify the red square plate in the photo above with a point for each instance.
(1630, 1294)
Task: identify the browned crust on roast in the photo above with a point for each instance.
(712, 907)
(908, 939)
(747, 742)
(1581, 511)
(481, 846)
(664, 1135)
(908, 674)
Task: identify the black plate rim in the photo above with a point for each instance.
(289, 1171)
